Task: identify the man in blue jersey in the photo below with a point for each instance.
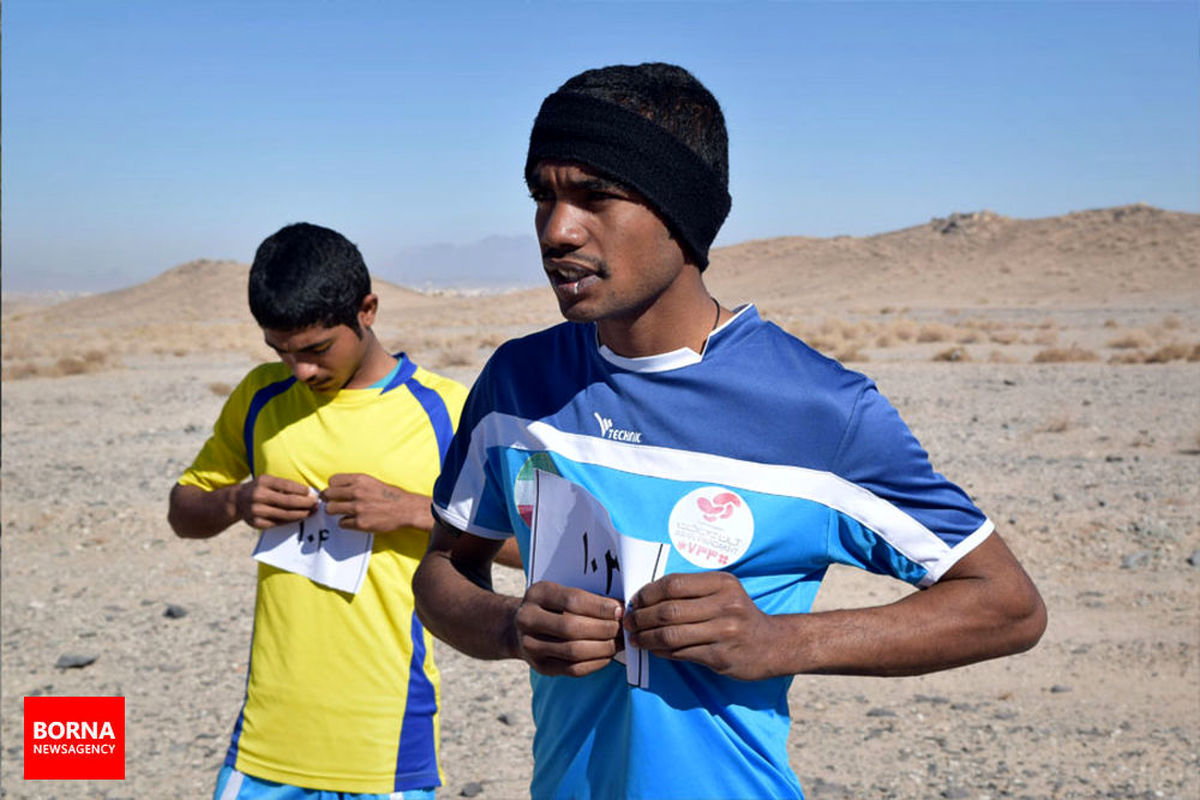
(732, 465)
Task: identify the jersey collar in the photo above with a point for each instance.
(676, 359)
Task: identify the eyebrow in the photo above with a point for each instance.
(596, 184)
(590, 183)
(305, 349)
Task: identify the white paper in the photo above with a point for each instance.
(574, 543)
(320, 549)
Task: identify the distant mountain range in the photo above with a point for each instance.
(496, 262)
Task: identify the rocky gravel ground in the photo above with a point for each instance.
(1091, 472)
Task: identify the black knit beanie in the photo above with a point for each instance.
(623, 145)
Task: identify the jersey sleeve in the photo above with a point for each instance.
(928, 523)
(469, 495)
(223, 460)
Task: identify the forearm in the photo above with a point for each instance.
(971, 615)
(910, 637)
(197, 514)
(472, 619)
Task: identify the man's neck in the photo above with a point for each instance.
(375, 365)
(676, 319)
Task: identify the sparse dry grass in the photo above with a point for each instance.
(935, 332)
(1176, 351)
(90, 361)
(904, 329)
(458, 355)
(1128, 357)
(1131, 340)
(953, 354)
(1060, 423)
(1061, 355)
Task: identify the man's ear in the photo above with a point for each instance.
(366, 311)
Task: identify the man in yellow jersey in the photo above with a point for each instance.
(342, 694)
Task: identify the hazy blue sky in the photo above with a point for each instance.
(139, 134)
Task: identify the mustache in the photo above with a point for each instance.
(560, 256)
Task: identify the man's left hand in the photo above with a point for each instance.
(704, 617)
(368, 504)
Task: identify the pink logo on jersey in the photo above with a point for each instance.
(720, 507)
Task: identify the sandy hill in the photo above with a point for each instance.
(1131, 257)
(198, 291)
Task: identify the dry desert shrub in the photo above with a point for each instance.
(953, 354)
(1004, 337)
(69, 365)
(1176, 351)
(978, 324)
(19, 371)
(997, 357)
(1111, 323)
(840, 328)
(824, 343)
(935, 332)
(850, 354)
(220, 388)
(968, 337)
(1195, 354)
(1056, 424)
(1128, 357)
(458, 355)
(1061, 355)
(492, 340)
(17, 349)
(1171, 322)
(1130, 340)
(1045, 337)
(904, 329)
(90, 361)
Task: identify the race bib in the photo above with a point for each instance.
(574, 543)
(319, 549)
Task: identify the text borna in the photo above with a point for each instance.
(73, 730)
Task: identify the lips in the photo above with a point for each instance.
(569, 278)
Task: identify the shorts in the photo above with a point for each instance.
(234, 785)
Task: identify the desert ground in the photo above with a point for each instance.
(1050, 366)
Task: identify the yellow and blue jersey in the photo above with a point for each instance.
(342, 692)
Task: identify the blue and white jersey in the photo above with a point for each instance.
(762, 458)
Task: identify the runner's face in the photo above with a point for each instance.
(324, 359)
(606, 253)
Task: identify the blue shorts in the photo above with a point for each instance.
(234, 785)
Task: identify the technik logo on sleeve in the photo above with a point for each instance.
(74, 738)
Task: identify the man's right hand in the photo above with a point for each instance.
(268, 501)
(566, 631)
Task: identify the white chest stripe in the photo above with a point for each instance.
(907, 535)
